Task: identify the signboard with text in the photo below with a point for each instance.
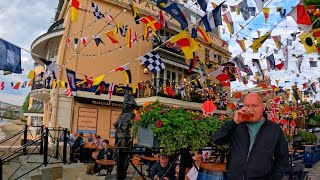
(87, 120)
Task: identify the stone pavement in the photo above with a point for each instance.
(314, 172)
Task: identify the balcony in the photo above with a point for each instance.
(41, 89)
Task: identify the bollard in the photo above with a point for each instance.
(65, 140)
(45, 148)
(41, 141)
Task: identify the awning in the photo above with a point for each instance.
(36, 108)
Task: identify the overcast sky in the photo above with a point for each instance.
(23, 21)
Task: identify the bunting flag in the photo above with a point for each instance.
(112, 37)
(248, 70)
(212, 19)
(96, 11)
(196, 83)
(214, 5)
(129, 42)
(219, 75)
(151, 22)
(228, 19)
(63, 84)
(299, 62)
(135, 13)
(126, 72)
(258, 43)
(162, 19)
(302, 18)
(30, 83)
(238, 60)
(257, 64)
(316, 33)
(204, 35)
(281, 11)
(277, 41)
(294, 36)
(71, 76)
(271, 61)
(97, 80)
(74, 10)
(97, 40)
(235, 9)
(135, 38)
(68, 92)
(266, 14)
(10, 57)
(52, 66)
(84, 41)
(296, 95)
(2, 86)
(110, 91)
(75, 43)
(24, 84)
(123, 30)
(192, 63)
(194, 33)
(31, 74)
(307, 41)
(17, 86)
(260, 4)
(242, 44)
(313, 64)
(162, 4)
(204, 3)
(89, 81)
(187, 44)
(69, 41)
(153, 62)
(177, 14)
(100, 88)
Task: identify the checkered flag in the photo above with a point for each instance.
(153, 62)
(223, 94)
(96, 11)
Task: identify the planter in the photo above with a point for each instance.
(146, 138)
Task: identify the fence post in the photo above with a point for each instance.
(57, 148)
(25, 138)
(65, 140)
(41, 142)
(45, 148)
(1, 172)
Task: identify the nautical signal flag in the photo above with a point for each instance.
(129, 42)
(175, 12)
(192, 63)
(228, 19)
(2, 86)
(271, 61)
(302, 18)
(316, 34)
(203, 4)
(277, 41)
(258, 43)
(219, 75)
(260, 4)
(151, 22)
(187, 44)
(31, 74)
(17, 86)
(212, 19)
(266, 14)
(135, 13)
(97, 80)
(242, 45)
(153, 62)
(204, 35)
(307, 41)
(97, 40)
(111, 35)
(96, 11)
(10, 57)
(71, 75)
(74, 10)
(126, 72)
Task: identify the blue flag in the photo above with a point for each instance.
(174, 10)
(212, 19)
(271, 61)
(71, 75)
(203, 4)
(10, 57)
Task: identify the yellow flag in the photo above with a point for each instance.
(31, 74)
(54, 84)
(63, 84)
(258, 43)
(97, 80)
(134, 87)
(187, 44)
(74, 10)
(307, 41)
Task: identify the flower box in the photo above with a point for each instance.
(146, 137)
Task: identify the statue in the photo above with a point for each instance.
(123, 135)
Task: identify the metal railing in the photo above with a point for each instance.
(45, 142)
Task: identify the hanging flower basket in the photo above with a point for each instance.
(174, 128)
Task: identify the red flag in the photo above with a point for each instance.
(68, 92)
(2, 86)
(17, 86)
(170, 91)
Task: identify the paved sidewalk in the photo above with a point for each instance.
(314, 172)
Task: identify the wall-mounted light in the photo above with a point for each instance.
(145, 70)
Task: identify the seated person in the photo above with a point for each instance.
(158, 169)
(193, 173)
(90, 138)
(77, 147)
(99, 143)
(105, 153)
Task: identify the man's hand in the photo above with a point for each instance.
(237, 116)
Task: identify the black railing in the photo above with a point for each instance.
(41, 83)
(36, 144)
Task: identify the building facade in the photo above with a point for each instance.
(86, 111)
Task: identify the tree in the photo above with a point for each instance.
(25, 105)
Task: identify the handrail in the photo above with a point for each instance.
(10, 137)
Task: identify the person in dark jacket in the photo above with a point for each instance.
(159, 169)
(77, 147)
(258, 149)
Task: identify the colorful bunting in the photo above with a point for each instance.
(302, 18)
(212, 19)
(258, 43)
(74, 10)
(187, 44)
(228, 19)
(307, 41)
(151, 22)
(242, 45)
(177, 14)
(112, 37)
(204, 35)
(266, 14)
(126, 72)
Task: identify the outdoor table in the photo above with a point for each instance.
(213, 171)
(90, 146)
(88, 150)
(106, 162)
(149, 158)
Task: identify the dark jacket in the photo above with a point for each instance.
(158, 170)
(268, 158)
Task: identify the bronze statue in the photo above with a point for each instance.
(123, 135)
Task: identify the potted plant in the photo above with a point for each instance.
(176, 128)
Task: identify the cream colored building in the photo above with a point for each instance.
(87, 111)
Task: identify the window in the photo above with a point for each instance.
(208, 81)
(207, 53)
(219, 59)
